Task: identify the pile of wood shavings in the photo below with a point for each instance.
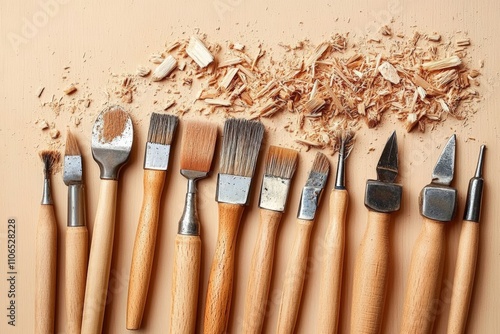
(317, 90)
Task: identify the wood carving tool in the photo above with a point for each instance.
(333, 254)
(77, 236)
(467, 252)
(161, 133)
(197, 152)
(280, 167)
(46, 252)
(296, 267)
(240, 150)
(438, 202)
(382, 197)
(112, 138)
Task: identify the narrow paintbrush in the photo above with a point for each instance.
(280, 167)
(296, 268)
(46, 252)
(333, 248)
(161, 133)
(77, 241)
(198, 146)
(112, 139)
(240, 149)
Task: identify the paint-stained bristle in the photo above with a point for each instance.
(240, 146)
(198, 146)
(162, 128)
(71, 145)
(321, 164)
(346, 138)
(49, 159)
(281, 162)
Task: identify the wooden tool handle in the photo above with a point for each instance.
(77, 253)
(220, 283)
(100, 259)
(333, 260)
(464, 277)
(370, 275)
(294, 278)
(46, 268)
(185, 284)
(261, 269)
(144, 247)
(424, 279)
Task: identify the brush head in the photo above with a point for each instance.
(344, 139)
(73, 166)
(281, 162)
(319, 171)
(198, 146)
(71, 145)
(162, 128)
(311, 193)
(240, 147)
(49, 159)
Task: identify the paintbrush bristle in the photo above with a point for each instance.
(162, 128)
(240, 146)
(49, 159)
(346, 138)
(281, 162)
(71, 145)
(321, 165)
(198, 146)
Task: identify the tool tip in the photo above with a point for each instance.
(71, 145)
(49, 159)
(480, 162)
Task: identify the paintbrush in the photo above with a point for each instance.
(281, 164)
(198, 146)
(77, 241)
(333, 248)
(296, 268)
(468, 247)
(112, 138)
(46, 252)
(161, 133)
(240, 150)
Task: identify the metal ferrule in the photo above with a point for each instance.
(110, 161)
(383, 197)
(438, 202)
(73, 173)
(76, 205)
(189, 223)
(233, 189)
(47, 193)
(156, 156)
(309, 202)
(474, 197)
(274, 193)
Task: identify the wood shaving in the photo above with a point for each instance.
(199, 52)
(54, 133)
(70, 90)
(442, 64)
(39, 91)
(142, 71)
(164, 69)
(389, 72)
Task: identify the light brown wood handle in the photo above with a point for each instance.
(424, 279)
(100, 259)
(220, 283)
(77, 253)
(46, 268)
(185, 284)
(144, 247)
(294, 278)
(333, 260)
(463, 282)
(261, 269)
(370, 275)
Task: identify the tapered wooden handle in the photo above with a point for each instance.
(144, 247)
(464, 277)
(294, 278)
(370, 275)
(185, 284)
(333, 259)
(77, 253)
(46, 268)
(424, 279)
(261, 269)
(100, 259)
(220, 283)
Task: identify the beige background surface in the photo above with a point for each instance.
(95, 38)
